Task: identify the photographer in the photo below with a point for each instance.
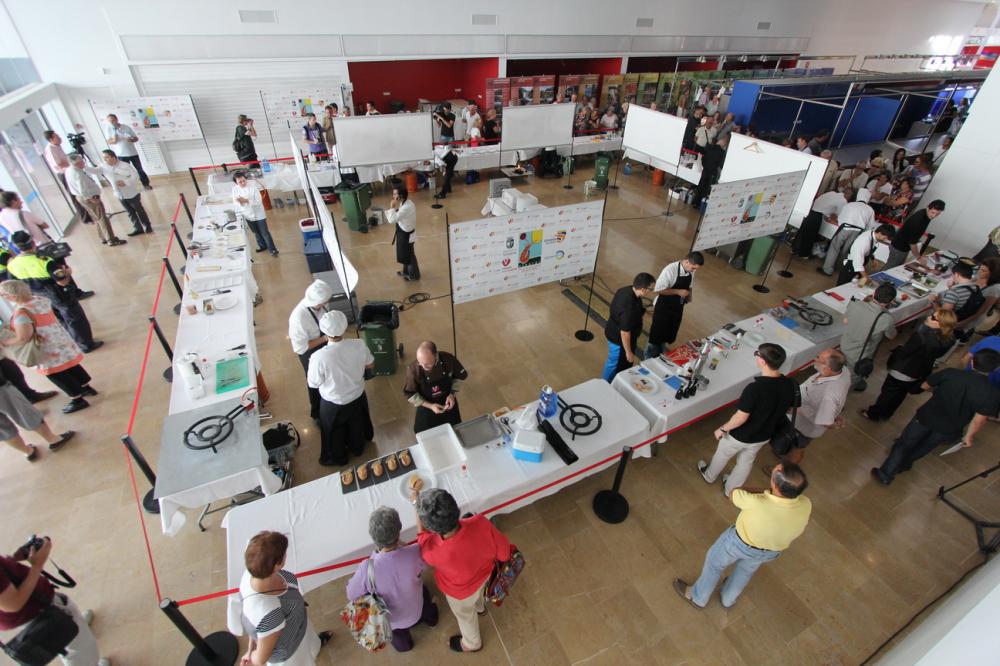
(27, 598)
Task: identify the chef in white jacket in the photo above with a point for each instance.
(304, 333)
(403, 214)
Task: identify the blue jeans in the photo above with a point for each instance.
(617, 361)
(263, 235)
(726, 550)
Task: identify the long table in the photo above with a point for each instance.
(325, 526)
(688, 171)
(223, 266)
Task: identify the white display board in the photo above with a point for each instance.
(384, 139)
(287, 109)
(657, 135)
(753, 158)
(345, 269)
(300, 169)
(503, 254)
(746, 209)
(537, 126)
(167, 118)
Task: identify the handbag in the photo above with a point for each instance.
(45, 637)
(504, 576)
(51, 249)
(786, 436)
(367, 617)
(865, 366)
(28, 354)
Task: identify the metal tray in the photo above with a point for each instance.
(480, 430)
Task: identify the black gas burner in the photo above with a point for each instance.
(211, 431)
(579, 419)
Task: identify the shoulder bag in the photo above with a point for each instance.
(865, 366)
(786, 436)
(45, 637)
(28, 354)
(51, 249)
(504, 576)
(367, 617)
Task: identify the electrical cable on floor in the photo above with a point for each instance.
(920, 612)
(417, 298)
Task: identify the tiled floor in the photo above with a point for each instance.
(592, 592)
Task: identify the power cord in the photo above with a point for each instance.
(416, 299)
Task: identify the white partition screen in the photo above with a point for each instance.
(753, 158)
(345, 269)
(385, 139)
(658, 135)
(537, 126)
(300, 169)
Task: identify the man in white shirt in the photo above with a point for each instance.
(673, 292)
(338, 372)
(14, 218)
(87, 193)
(122, 140)
(829, 205)
(705, 135)
(469, 116)
(403, 214)
(305, 335)
(854, 217)
(249, 204)
(59, 163)
(861, 252)
(802, 145)
(124, 181)
(370, 109)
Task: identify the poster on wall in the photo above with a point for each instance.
(286, 108)
(167, 118)
(497, 93)
(569, 85)
(646, 94)
(630, 86)
(546, 86)
(503, 254)
(612, 90)
(745, 209)
(522, 91)
(590, 85)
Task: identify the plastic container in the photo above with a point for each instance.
(529, 445)
(411, 182)
(658, 176)
(548, 403)
(309, 229)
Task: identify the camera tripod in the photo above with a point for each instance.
(985, 546)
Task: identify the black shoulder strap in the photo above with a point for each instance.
(871, 330)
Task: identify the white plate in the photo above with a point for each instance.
(645, 385)
(403, 485)
(225, 302)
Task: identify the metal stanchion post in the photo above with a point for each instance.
(219, 649)
(180, 242)
(149, 503)
(177, 284)
(168, 374)
(610, 505)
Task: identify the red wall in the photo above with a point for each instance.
(559, 66)
(410, 80)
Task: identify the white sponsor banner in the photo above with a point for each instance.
(166, 118)
(497, 255)
(745, 209)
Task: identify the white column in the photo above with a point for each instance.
(501, 67)
(968, 180)
(624, 68)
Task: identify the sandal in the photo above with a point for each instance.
(455, 643)
(680, 587)
(33, 456)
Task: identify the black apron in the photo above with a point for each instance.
(404, 251)
(436, 392)
(667, 313)
(849, 270)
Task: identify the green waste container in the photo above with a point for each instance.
(760, 253)
(378, 322)
(567, 165)
(356, 199)
(602, 167)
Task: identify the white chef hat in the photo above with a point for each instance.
(333, 323)
(318, 293)
(864, 195)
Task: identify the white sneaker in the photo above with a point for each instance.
(725, 477)
(88, 616)
(702, 466)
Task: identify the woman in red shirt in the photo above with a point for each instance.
(463, 552)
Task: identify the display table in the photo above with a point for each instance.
(325, 526)
(690, 171)
(589, 144)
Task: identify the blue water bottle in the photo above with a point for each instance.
(265, 166)
(548, 403)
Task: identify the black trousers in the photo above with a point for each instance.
(915, 442)
(892, 395)
(342, 429)
(314, 398)
(70, 313)
(71, 381)
(12, 371)
(136, 213)
(847, 273)
(137, 163)
(450, 160)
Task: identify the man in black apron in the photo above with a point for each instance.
(862, 251)
(403, 214)
(431, 384)
(673, 290)
(304, 333)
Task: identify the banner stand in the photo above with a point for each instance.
(670, 191)
(784, 272)
(267, 120)
(583, 335)
(761, 288)
(569, 172)
(451, 283)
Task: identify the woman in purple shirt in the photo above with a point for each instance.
(397, 579)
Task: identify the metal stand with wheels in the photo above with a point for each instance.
(987, 547)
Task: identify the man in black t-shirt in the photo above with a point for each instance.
(761, 407)
(625, 324)
(907, 238)
(693, 123)
(960, 397)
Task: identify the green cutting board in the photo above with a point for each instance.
(232, 374)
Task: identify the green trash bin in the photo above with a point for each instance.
(567, 165)
(356, 199)
(378, 322)
(602, 167)
(760, 253)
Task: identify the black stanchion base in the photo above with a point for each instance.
(611, 507)
(226, 647)
(786, 274)
(177, 309)
(761, 289)
(668, 213)
(612, 187)
(584, 336)
(567, 187)
(436, 206)
(168, 375)
(150, 504)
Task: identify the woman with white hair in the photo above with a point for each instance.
(397, 568)
(60, 357)
(338, 371)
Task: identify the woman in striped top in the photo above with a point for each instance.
(274, 612)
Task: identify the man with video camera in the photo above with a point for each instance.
(52, 624)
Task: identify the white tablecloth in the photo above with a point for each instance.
(585, 145)
(325, 526)
(691, 171)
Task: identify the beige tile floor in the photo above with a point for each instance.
(871, 557)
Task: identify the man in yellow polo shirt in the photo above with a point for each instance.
(768, 523)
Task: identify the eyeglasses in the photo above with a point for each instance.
(757, 354)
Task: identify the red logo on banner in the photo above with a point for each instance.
(506, 262)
